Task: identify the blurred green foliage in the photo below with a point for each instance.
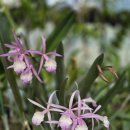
(113, 96)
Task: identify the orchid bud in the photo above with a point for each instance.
(19, 66)
(38, 117)
(50, 65)
(65, 122)
(26, 77)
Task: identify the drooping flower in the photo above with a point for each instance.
(50, 64)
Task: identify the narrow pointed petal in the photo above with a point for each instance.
(56, 110)
(34, 52)
(44, 44)
(9, 54)
(97, 109)
(54, 54)
(50, 99)
(52, 122)
(49, 118)
(35, 103)
(72, 98)
(10, 67)
(36, 75)
(11, 46)
(79, 104)
(58, 106)
(17, 41)
(41, 64)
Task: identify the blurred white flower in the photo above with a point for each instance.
(53, 2)
(77, 5)
(11, 3)
(124, 52)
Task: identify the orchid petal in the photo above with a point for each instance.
(46, 57)
(34, 52)
(49, 118)
(41, 64)
(79, 104)
(54, 54)
(17, 41)
(44, 44)
(9, 54)
(58, 106)
(56, 110)
(97, 109)
(35, 103)
(12, 46)
(10, 67)
(53, 122)
(36, 75)
(50, 99)
(27, 61)
(72, 98)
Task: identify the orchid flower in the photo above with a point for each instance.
(21, 61)
(38, 117)
(75, 116)
(50, 64)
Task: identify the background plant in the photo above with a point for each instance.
(71, 31)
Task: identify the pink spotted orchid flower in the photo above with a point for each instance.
(76, 115)
(21, 61)
(50, 64)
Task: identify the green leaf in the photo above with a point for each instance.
(89, 78)
(72, 73)
(113, 91)
(60, 66)
(61, 95)
(60, 32)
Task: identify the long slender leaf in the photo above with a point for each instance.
(60, 31)
(60, 66)
(61, 96)
(88, 79)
